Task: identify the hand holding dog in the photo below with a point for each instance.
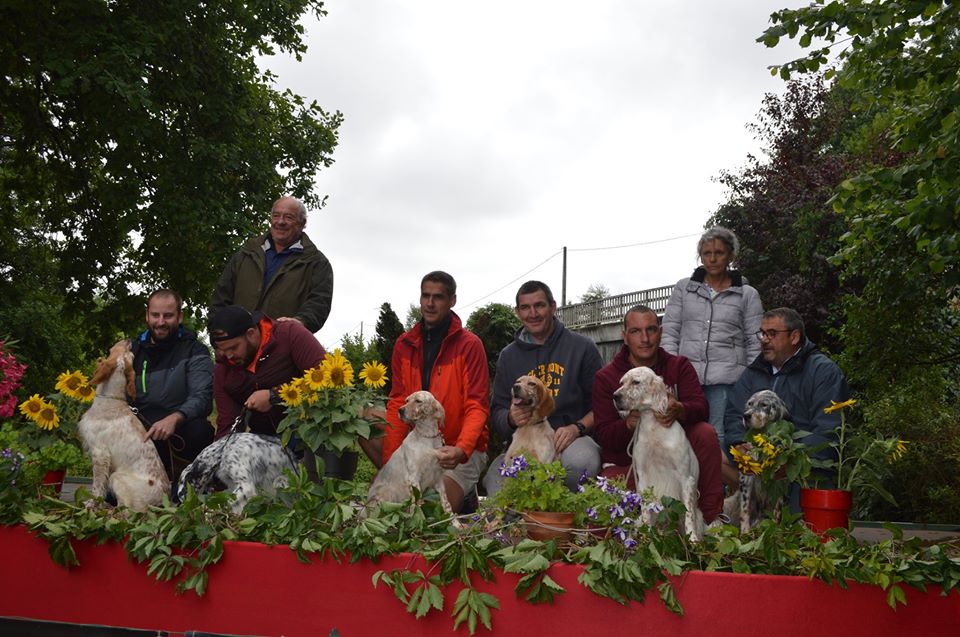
(675, 411)
(450, 456)
(163, 428)
(258, 401)
(563, 437)
(519, 415)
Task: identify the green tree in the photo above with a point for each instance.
(389, 329)
(356, 351)
(595, 292)
(413, 316)
(495, 324)
(139, 144)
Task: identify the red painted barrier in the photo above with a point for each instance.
(261, 590)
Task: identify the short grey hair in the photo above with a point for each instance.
(722, 234)
(791, 319)
(302, 211)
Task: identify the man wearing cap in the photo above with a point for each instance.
(281, 273)
(174, 382)
(255, 356)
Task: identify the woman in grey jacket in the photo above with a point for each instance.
(712, 318)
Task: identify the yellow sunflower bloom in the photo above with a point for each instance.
(47, 418)
(374, 374)
(746, 463)
(85, 393)
(315, 377)
(834, 406)
(290, 394)
(31, 407)
(899, 451)
(69, 383)
(338, 370)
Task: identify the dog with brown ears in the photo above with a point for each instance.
(123, 462)
(535, 438)
(415, 464)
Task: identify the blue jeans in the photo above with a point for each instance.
(717, 399)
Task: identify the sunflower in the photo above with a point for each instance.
(290, 394)
(47, 418)
(85, 393)
(69, 383)
(315, 377)
(746, 462)
(898, 451)
(374, 374)
(834, 406)
(338, 370)
(32, 406)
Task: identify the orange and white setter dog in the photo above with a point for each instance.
(112, 435)
(536, 437)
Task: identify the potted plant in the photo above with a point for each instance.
(325, 413)
(609, 509)
(862, 461)
(50, 435)
(537, 492)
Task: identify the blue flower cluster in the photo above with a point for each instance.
(625, 512)
(12, 461)
(518, 465)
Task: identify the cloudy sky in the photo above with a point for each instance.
(482, 138)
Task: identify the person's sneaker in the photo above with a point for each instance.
(718, 521)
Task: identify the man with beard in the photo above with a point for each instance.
(174, 382)
(255, 356)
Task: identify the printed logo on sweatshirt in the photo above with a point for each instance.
(550, 374)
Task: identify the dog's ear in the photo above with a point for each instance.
(546, 404)
(105, 367)
(128, 372)
(439, 413)
(658, 390)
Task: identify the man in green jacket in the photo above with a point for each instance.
(281, 274)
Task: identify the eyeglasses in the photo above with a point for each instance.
(768, 334)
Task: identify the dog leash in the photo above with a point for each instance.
(242, 418)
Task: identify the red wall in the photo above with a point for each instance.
(261, 590)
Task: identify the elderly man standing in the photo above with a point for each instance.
(566, 363)
(804, 378)
(281, 274)
(440, 356)
(687, 405)
(174, 382)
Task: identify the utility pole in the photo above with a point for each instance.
(563, 292)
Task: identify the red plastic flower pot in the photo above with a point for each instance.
(825, 509)
(54, 479)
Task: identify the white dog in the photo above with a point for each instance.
(243, 463)
(535, 438)
(122, 460)
(663, 459)
(415, 463)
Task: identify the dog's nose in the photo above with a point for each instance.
(402, 416)
(516, 390)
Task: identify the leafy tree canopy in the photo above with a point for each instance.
(140, 143)
(595, 292)
(495, 324)
(389, 329)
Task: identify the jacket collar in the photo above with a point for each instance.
(736, 278)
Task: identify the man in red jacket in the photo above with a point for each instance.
(255, 356)
(440, 356)
(688, 406)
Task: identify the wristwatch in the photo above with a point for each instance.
(581, 428)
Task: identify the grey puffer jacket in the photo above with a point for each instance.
(717, 335)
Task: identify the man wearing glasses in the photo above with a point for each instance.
(803, 377)
(281, 273)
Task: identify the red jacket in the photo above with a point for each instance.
(459, 380)
(611, 432)
(287, 349)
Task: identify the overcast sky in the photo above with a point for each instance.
(482, 138)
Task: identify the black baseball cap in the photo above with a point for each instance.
(230, 322)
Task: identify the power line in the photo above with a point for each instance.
(634, 245)
(472, 303)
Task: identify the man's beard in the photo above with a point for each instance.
(156, 337)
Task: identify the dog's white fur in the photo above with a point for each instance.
(663, 459)
(243, 463)
(122, 460)
(536, 437)
(751, 500)
(415, 463)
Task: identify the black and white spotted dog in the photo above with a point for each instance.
(751, 501)
(243, 463)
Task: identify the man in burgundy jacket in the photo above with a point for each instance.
(255, 356)
(688, 405)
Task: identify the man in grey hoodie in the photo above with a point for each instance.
(566, 363)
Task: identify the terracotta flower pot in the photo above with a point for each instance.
(825, 509)
(548, 525)
(54, 479)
